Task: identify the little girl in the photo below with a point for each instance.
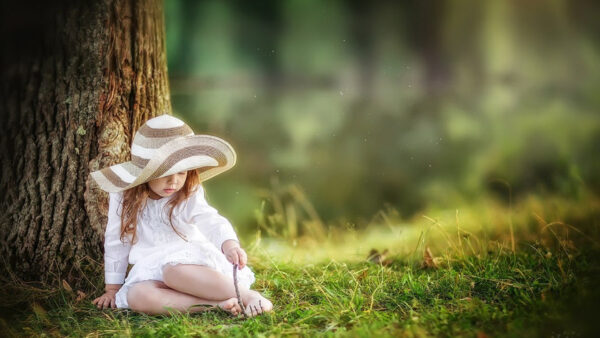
(181, 249)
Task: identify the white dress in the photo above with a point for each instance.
(157, 244)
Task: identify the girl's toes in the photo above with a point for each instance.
(257, 304)
(267, 306)
(230, 305)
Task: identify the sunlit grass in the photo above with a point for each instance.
(472, 230)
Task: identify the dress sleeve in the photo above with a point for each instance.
(116, 253)
(213, 226)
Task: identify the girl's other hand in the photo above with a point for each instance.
(107, 299)
(235, 254)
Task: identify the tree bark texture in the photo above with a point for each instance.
(78, 79)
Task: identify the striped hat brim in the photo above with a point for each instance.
(210, 155)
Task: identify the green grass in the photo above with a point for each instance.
(479, 287)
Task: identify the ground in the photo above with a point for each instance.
(442, 273)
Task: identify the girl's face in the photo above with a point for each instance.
(166, 186)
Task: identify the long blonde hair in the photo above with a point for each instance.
(135, 199)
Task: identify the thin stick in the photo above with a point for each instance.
(237, 290)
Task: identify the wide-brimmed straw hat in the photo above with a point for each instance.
(164, 146)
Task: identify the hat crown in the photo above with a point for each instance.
(153, 134)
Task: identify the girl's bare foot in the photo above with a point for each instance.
(230, 305)
(256, 303)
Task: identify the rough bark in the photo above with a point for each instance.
(78, 78)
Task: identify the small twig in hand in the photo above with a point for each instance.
(237, 290)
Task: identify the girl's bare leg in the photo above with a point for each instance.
(207, 283)
(154, 297)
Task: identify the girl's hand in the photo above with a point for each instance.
(234, 253)
(107, 299)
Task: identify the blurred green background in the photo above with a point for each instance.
(341, 109)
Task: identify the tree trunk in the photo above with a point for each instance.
(77, 80)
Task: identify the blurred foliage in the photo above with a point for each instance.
(408, 104)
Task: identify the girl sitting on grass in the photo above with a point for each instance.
(181, 249)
